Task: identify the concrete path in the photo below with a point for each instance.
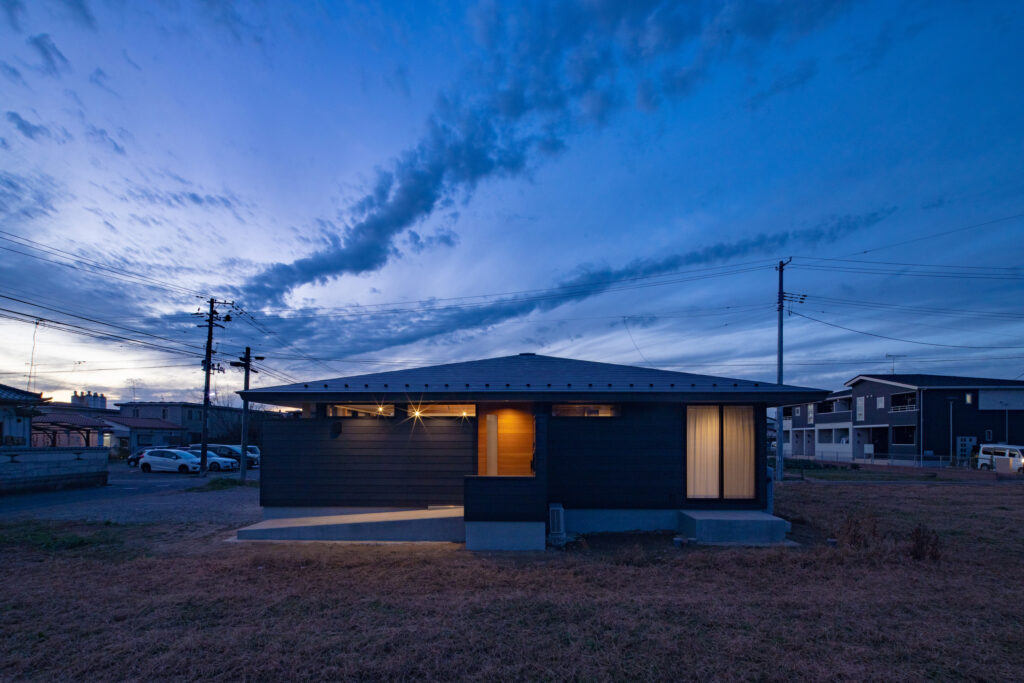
(132, 496)
(908, 482)
(404, 525)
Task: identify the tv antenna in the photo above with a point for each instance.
(892, 357)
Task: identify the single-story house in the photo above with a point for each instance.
(133, 433)
(16, 410)
(69, 429)
(513, 439)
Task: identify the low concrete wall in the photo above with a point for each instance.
(36, 469)
(618, 521)
(505, 536)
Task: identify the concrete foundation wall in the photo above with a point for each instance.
(617, 521)
(505, 536)
(34, 469)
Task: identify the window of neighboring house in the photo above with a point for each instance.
(988, 435)
(361, 410)
(969, 397)
(584, 410)
(796, 410)
(810, 413)
(824, 436)
(904, 401)
(163, 413)
(720, 452)
(880, 403)
(842, 435)
(787, 411)
(904, 435)
(785, 436)
(135, 412)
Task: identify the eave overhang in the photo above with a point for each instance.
(295, 399)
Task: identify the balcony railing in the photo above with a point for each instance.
(903, 409)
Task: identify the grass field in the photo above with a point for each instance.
(923, 582)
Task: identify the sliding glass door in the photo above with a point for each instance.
(720, 447)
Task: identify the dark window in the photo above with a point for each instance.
(584, 410)
(904, 435)
(787, 412)
(903, 402)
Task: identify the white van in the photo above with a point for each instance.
(1000, 457)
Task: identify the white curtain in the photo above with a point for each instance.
(702, 430)
(738, 451)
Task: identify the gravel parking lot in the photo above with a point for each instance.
(132, 496)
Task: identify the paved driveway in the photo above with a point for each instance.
(134, 496)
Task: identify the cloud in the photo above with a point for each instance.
(25, 197)
(12, 74)
(29, 130)
(102, 138)
(367, 331)
(443, 237)
(100, 79)
(79, 11)
(4, 145)
(790, 81)
(130, 61)
(179, 200)
(549, 71)
(399, 80)
(53, 60)
(12, 10)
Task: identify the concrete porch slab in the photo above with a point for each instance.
(733, 527)
(394, 526)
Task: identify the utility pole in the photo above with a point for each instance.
(778, 379)
(245, 362)
(211, 321)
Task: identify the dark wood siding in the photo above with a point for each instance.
(631, 461)
(366, 462)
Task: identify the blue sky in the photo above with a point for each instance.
(617, 178)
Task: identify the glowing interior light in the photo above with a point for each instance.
(464, 413)
(380, 409)
(416, 413)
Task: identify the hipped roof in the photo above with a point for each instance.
(531, 377)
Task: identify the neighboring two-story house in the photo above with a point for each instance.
(906, 419)
(224, 421)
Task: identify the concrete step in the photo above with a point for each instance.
(444, 525)
(733, 527)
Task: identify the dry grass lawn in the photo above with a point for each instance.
(95, 602)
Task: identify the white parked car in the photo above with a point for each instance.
(168, 460)
(1000, 457)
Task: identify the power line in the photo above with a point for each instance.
(99, 322)
(81, 370)
(917, 309)
(908, 341)
(973, 226)
(917, 265)
(93, 263)
(944, 274)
